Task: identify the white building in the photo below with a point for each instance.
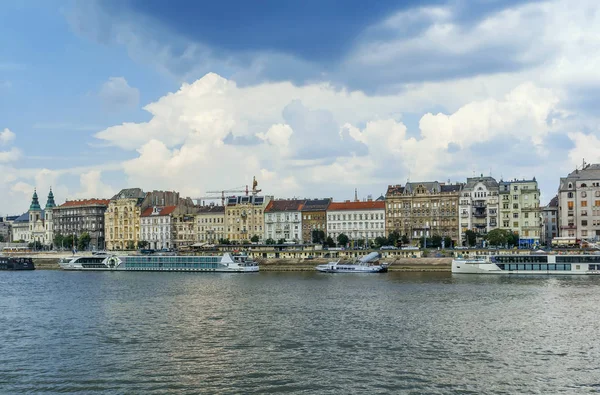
(478, 206)
(36, 224)
(357, 220)
(579, 203)
(156, 227)
(283, 220)
(520, 210)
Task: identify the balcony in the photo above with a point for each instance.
(480, 225)
(479, 213)
(568, 227)
(479, 204)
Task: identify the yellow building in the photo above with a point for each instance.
(244, 217)
(122, 219)
(210, 224)
(423, 209)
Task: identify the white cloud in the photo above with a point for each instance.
(10, 156)
(116, 94)
(6, 136)
(91, 186)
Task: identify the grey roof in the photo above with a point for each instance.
(380, 198)
(553, 202)
(252, 199)
(590, 172)
(451, 188)
(431, 187)
(211, 209)
(130, 193)
(489, 182)
(23, 217)
(316, 205)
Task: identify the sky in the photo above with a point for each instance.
(313, 98)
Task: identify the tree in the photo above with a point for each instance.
(36, 245)
(513, 239)
(58, 240)
(329, 242)
(393, 238)
(281, 241)
(142, 244)
(447, 242)
(1, 238)
(270, 241)
(405, 239)
(224, 241)
(130, 245)
(70, 242)
(470, 238)
(342, 239)
(497, 237)
(381, 241)
(318, 236)
(84, 241)
(244, 242)
(255, 239)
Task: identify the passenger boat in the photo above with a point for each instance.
(163, 263)
(528, 264)
(14, 263)
(363, 265)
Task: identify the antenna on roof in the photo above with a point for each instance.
(355, 194)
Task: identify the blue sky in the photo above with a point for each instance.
(316, 97)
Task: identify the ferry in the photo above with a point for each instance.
(162, 263)
(363, 265)
(10, 263)
(528, 264)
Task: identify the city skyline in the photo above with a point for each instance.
(92, 100)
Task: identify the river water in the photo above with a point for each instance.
(312, 333)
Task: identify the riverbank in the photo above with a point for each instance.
(303, 265)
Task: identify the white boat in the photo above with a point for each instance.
(363, 265)
(164, 263)
(528, 264)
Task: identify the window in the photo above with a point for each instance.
(515, 224)
(516, 188)
(584, 203)
(570, 205)
(515, 215)
(516, 205)
(515, 197)
(583, 194)
(583, 213)
(584, 222)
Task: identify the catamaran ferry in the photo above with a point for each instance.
(163, 263)
(528, 264)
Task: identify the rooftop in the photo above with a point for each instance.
(211, 209)
(85, 202)
(368, 205)
(160, 211)
(316, 204)
(285, 205)
(130, 193)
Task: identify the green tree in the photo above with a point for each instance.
(281, 241)
(58, 240)
(84, 241)
(318, 236)
(142, 244)
(1, 238)
(405, 239)
(436, 241)
(70, 242)
(255, 239)
(342, 239)
(447, 242)
(381, 241)
(36, 245)
(513, 239)
(244, 242)
(269, 241)
(329, 242)
(394, 238)
(471, 238)
(497, 237)
(130, 245)
(424, 242)
(224, 241)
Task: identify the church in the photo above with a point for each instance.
(36, 224)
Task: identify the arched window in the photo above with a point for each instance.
(570, 186)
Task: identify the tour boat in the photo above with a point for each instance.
(164, 263)
(528, 264)
(363, 265)
(16, 263)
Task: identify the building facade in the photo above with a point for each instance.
(423, 209)
(314, 217)
(184, 228)
(122, 219)
(244, 217)
(35, 226)
(76, 217)
(520, 210)
(550, 221)
(363, 221)
(478, 207)
(283, 220)
(210, 224)
(156, 227)
(579, 203)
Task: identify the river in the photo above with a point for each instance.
(297, 333)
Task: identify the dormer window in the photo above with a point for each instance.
(570, 186)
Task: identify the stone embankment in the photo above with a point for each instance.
(284, 265)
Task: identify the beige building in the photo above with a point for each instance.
(244, 217)
(423, 209)
(520, 210)
(579, 203)
(122, 219)
(478, 207)
(184, 228)
(210, 224)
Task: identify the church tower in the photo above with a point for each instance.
(35, 219)
(48, 226)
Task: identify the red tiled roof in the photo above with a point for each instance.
(84, 202)
(372, 205)
(163, 211)
(284, 205)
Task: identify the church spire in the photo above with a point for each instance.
(50, 203)
(35, 203)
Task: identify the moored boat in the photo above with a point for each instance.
(164, 263)
(528, 264)
(16, 263)
(363, 265)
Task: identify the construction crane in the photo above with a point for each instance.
(255, 191)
